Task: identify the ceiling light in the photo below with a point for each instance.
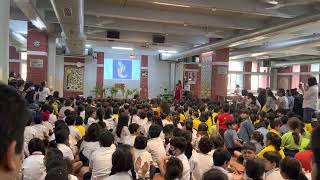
(123, 48)
(164, 51)
(257, 54)
(273, 2)
(38, 23)
(213, 9)
(171, 4)
(88, 45)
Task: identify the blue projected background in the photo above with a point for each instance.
(121, 69)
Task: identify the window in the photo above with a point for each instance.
(315, 70)
(235, 75)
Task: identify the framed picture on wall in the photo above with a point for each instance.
(73, 78)
(190, 76)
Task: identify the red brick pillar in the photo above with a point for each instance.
(37, 61)
(247, 75)
(100, 69)
(295, 80)
(14, 60)
(144, 77)
(220, 63)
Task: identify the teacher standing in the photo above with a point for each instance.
(178, 91)
(310, 98)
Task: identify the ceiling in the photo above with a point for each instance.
(190, 23)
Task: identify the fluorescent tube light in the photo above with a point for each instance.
(123, 48)
(171, 4)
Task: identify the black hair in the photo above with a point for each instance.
(255, 168)
(282, 92)
(292, 169)
(79, 121)
(70, 120)
(203, 127)
(154, 131)
(37, 118)
(258, 136)
(13, 118)
(68, 102)
(221, 156)
(187, 135)
(140, 142)
(106, 139)
(312, 81)
(93, 133)
(188, 125)
(214, 174)
(57, 173)
(100, 114)
(179, 143)
(174, 169)
(230, 123)
(122, 161)
(284, 119)
(217, 141)
(177, 132)
(36, 144)
(123, 121)
(42, 85)
(62, 136)
(274, 139)
(249, 146)
(294, 124)
(226, 108)
(168, 128)
(274, 123)
(205, 145)
(108, 113)
(273, 157)
(54, 153)
(133, 128)
(142, 115)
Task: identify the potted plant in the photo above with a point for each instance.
(98, 91)
(114, 91)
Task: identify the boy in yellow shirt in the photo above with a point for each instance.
(196, 121)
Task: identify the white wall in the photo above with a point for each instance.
(90, 75)
(158, 76)
(59, 74)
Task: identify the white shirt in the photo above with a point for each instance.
(41, 131)
(166, 122)
(187, 87)
(118, 176)
(62, 110)
(136, 119)
(43, 94)
(110, 123)
(283, 102)
(200, 163)
(186, 167)
(124, 132)
(52, 119)
(129, 139)
(29, 133)
(33, 167)
(145, 129)
(141, 122)
(83, 114)
(48, 125)
(75, 133)
(145, 157)
(273, 174)
(310, 98)
(90, 121)
(101, 162)
(87, 148)
(66, 151)
(156, 148)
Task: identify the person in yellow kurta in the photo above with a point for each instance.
(196, 121)
(273, 144)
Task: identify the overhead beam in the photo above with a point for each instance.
(99, 8)
(150, 27)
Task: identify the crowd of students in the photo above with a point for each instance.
(87, 138)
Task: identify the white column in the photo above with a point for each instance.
(52, 62)
(90, 75)
(59, 74)
(4, 40)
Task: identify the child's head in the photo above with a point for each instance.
(173, 168)
(205, 145)
(275, 124)
(221, 158)
(140, 142)
(36, 144)
(231, 124)
(281, 112)
(290, 168)
(244, 113)
(79, 121)
(255, 168)
(70, 120)
(226, 108)
(168, 131)
(214, 174)
(177, 146)
(154, 131)
(274, 140)
(272, 160)
(62, 136)
(257, 136)
(202, 128)
(106, 139)
(134, 128)
(217, 141)
(248, 151)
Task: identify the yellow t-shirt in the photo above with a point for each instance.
(115, 116)
(81, 129)
(268, 149)
(196, 123)
(182, 117)
(275, 131)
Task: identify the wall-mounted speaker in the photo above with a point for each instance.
(158, 39)
(113, 34)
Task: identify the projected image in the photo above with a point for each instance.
(122, 69)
